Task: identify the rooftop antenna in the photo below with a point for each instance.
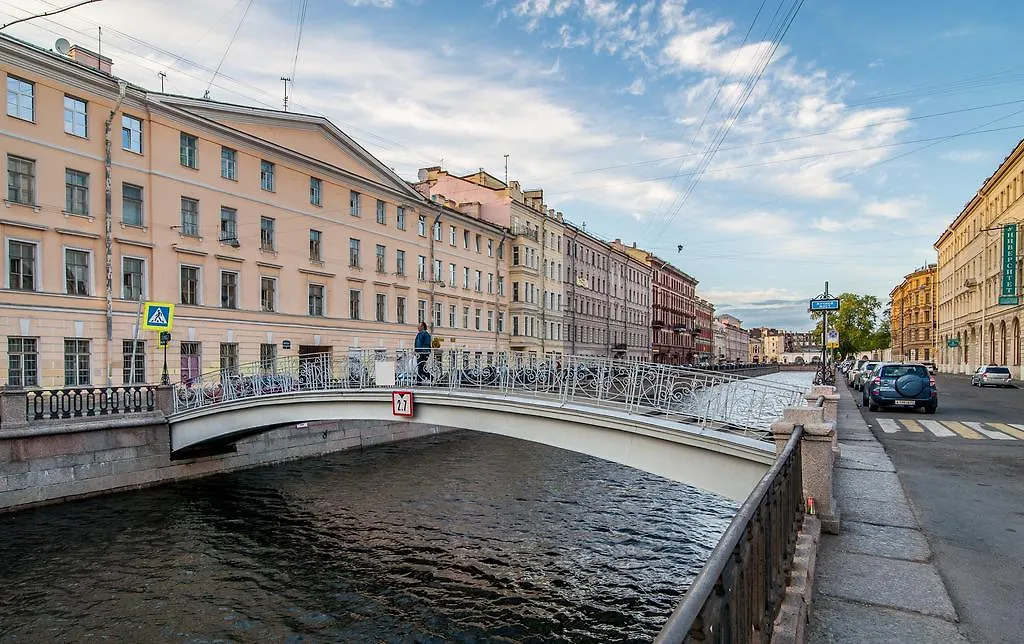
(506, 169)
(286, 79)
(162, 77)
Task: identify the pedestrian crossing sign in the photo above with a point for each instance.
(157, 316)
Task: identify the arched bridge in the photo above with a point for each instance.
(706, 429)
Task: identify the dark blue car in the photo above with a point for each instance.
(903, 385)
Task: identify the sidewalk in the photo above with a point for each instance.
(875, 581)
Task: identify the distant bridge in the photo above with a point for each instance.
(703, 428)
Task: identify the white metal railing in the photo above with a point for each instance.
(712, 399)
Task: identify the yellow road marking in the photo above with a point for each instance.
(1006, 429)
(913, 426)
(962, 429)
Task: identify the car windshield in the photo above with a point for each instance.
(1000, 370)
(900, 370)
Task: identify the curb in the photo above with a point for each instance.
(790, 626)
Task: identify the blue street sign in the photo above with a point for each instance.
(825, 305)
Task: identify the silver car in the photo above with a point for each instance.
(992, 375)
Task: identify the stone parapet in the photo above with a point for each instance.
(790, 625)
(12, 409)
(818, 456)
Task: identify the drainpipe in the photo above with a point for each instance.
(572, 293)
(497, 291)
(108, 226)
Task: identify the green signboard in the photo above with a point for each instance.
(952, 343)
(1009, 289)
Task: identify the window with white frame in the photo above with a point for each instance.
(353, 252)
(21, 100)
(76, 116)
(76, 271)
(21, 180)
(21, 260)
(437, 231)
(465, 277)
(451, 275)
(382, 308)
(266, 176)
(267, 241)
(229, 357)
(400, 263)
(76, 192)
(477, 241)
(438, 315)
(76, 362)
(465, 317)
(490, 320)
(476, 319)
(22, 362)
(465, 239)
(381, 258)
(131, 134)
(190, 284)
(268, 294)
(451, 235)
(189, 217)
(316, 300)
(501, 285)
(421, 226)
(229, 163)
(315, 246)
(188, 150)
(490, 283)
(490, 248)
(478, 281)
(400, 218)
(421, 311)
(131, 205)
(133, 275)
(228, 290)
(421, 268)
(436, 276)
(316, 191)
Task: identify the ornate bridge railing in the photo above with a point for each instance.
(724, 401)
(83, 402)
(737, 594)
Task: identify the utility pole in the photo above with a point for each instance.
(286, 79)
(162, 77)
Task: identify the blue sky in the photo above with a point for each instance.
(839, 166)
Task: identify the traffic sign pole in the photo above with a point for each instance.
(165, 339)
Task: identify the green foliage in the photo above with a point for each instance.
(861, 323)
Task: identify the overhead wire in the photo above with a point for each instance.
(301, 21)
(227, 49)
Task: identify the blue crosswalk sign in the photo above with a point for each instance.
(157, 316)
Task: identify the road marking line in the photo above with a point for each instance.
(912, 426)
(888, 425)
(962, 429)
(988, 432)
(936, 428)
(1015, 430)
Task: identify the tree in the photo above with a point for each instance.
(860, 323)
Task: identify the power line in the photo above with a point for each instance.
(48, 13)
(303, 4)
(228, 48)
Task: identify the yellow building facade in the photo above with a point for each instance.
(912, 316)
(273, 234)
(977, 326)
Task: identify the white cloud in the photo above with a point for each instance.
(896, 208)
(966, 156)
(636, 88)
(755, 223)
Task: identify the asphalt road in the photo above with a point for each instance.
(968, 494)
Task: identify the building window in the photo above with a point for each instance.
(400, 263)
(478, 282)
(268, 357)
(228, 290)
(189, 217)
(437, 314)
(20, 98)
(452, 315)
(316, 300)
(266, 176)
(229, 357)
(75, 116)
(515, 325)
(451, 235)
(76, 192)
(421, 226)
(190, 285)
(316, 191)
(131, 134)
(21, 257)
(501, 250)
(381, 212)
(515, 256)
(476, 242)
(490, 283)
(76, 272)
(133, 362)
(22, 362)
(381, 260)
(400, 218)
(353, 252)
(501, 286)
(131, 205)
(400, 310)
(76, 362)
(515, 291)
(188, 151)
(353, 203)
(465, 277)
(490, 320)
(490, 248)
(315, 251)
(465, 317)
(21, 180)
(382, 308)
(132, 276)
(421, 268)
(354, 301)
(268, 294)
(451, 275)
(421, 311)
(267, 233)
(229, 225)
(465, 239)
(437, 231)
(501, 322)
(476, 319)
(229, 163)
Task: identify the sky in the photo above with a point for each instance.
(761, 160)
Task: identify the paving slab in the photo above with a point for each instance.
(883, 541)
(844, 622)
(877, 512)
(867, 484)
(879, 581)
(855, 457)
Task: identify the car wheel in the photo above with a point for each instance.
(931, 409)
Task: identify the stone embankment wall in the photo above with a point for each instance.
(63, 460)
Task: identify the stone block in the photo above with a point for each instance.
(6, 451)
(117, 454)
(14, 467)
(56, 476)
(92, 470)
(98, 440)
(3, 483)
(53, 462)
(20, 497)
(131, 437)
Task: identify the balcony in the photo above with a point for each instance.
(526, 231)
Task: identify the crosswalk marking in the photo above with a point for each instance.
(888, 425)
(936, 428)
(1015, 430)
(963, 430)
(999, 436)
(912, 426)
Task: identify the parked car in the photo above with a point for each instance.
(929, 365)
(904, 385)
(854, 370)
(862, 375)
(992, 375)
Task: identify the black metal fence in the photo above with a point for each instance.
(83, 402)
(737, 594)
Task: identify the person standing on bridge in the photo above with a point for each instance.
(422, 345)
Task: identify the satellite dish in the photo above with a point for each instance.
(62, 46)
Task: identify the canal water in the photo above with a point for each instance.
(463, 537)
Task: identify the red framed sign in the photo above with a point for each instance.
(401, 403)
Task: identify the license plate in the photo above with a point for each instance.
(905, 402)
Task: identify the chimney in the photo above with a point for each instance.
(89, 58)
